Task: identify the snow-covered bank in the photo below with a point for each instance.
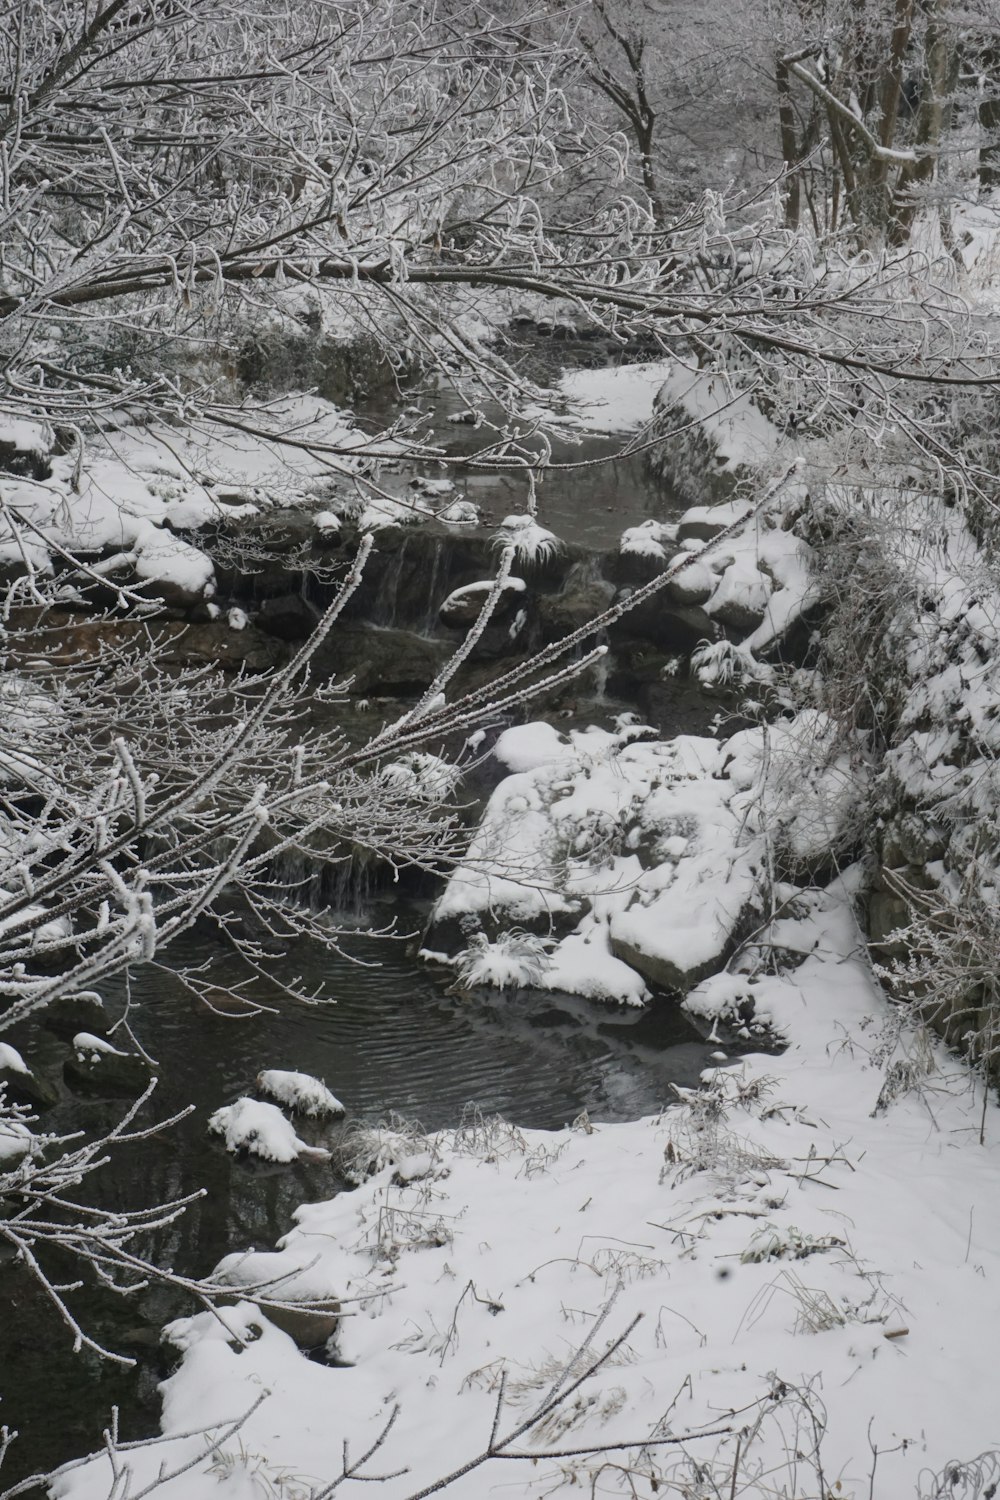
(120, 499)
(811, 1259)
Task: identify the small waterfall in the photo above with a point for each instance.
(386, 603)
(346, 887)
(430, 619)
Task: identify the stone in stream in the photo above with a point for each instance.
(19, 1085)
(97, 1067)
(69, 1014)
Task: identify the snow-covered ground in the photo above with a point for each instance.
(796, 1264)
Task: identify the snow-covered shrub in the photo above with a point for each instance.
(531, 542)
(722, 664)
(515, 960)
(806, 785)
(363, 1150)
(422, 775)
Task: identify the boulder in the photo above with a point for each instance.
(582, 597)
(20, 1085)
(70, 1014)
(383, 662)
(704, 522)
(310, 1327)
(462, 606)
(97, 1067)
(289, 617)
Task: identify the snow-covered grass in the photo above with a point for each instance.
(531, 542)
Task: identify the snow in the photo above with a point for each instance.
(791, 1247)
(89, 1048)
(139, 483)
(262, 1130)
(609, 847)
(16, 1141)
(477, 593)
(615, 400)
(25, 435)
(649, 539)
(299, 1092)
(531, 542)
(527, 746)
(460, 513)
(740, 434)
(12, 1060)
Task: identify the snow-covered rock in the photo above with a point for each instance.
(299, 1092)
(89, 1048)
(11, 1060)
(262, 1130)
(16, 1142)
(609, 850)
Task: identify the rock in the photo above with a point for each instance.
(98, 1068)
(310, 1327)
(70, 1014)
(289, 617)
(26, 448)
(582, 597)
(20, 1085)
(667, 974)
(300, 1093)
(886, 913)
(704, 522)
(462, 606)
(694, 584)
(383, 662)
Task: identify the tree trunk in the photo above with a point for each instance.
(792, 187)
(940, 68)
(989, 122)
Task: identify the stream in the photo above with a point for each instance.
(391, 1038)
